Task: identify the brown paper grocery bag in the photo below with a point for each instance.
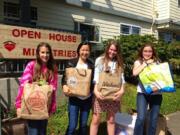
(35, 101)
(109, 84)
(78, 81)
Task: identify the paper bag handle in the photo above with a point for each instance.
(81, 74)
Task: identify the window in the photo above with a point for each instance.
(135, 30)
(12, 12)
(166, 36)
(129, 29)
(177, 37)
(88, 32)
(34, 13)
(125, 29)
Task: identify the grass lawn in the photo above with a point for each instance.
(58, 122)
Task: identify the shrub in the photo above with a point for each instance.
(173, 51)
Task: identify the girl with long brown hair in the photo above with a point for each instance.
(146, 56)
(110, 61)
(42, 70)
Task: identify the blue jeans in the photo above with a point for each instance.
(154, 102)
(78, 108)
(37, 127)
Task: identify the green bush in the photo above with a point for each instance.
(173, 51)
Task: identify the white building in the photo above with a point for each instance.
(97, 20)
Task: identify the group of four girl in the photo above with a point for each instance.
(79, 107)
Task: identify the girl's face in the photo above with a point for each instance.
(44, 54)
(112, 52)
(84, 52)
(147, 53)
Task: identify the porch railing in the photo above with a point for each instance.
(10, 68)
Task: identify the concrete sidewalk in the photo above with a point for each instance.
(173, 123)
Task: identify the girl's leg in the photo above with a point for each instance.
(141, 113)
(111, 123)
(43, 127)
(84, 114)
(73, 111)
(32, 127)
(155, 104)
(96, 118)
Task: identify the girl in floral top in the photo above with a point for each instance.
(41, 69)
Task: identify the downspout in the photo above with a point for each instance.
(154, 16)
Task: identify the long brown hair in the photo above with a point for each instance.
(51, 68)
(154, 55)
(118, 58)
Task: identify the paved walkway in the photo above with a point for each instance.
(173, 123)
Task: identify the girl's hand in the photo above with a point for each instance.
(149, 61)
(18, 111)
(66, 90)
(118, 95)
(98, 95)
(155, 89)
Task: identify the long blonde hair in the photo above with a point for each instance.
(51, 68)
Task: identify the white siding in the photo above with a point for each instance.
(174, 10)
(57, 15)
(53, 14)
(163, 9)
(138, 7)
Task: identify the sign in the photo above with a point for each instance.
(21, 42)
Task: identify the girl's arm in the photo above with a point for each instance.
(65, 87)
(97, 70)
(97, 93)
(138, 67)
(26, 77)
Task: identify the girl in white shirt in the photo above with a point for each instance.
(110, 61)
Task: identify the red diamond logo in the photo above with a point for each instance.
(9, 45)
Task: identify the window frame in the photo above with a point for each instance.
(90, 24)
(130, 30)
(12, 19)
(9, 5)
